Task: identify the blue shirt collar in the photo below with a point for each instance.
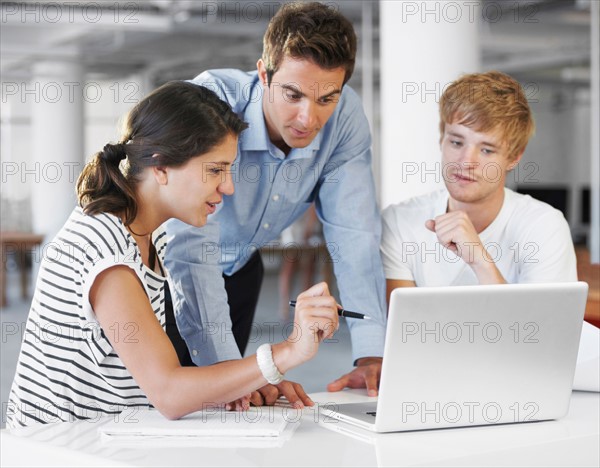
(256, 137)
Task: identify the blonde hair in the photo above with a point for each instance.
(491, 101)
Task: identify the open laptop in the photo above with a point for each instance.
(474, 355)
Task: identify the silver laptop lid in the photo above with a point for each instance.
(470, 355)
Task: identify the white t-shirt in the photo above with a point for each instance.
(67, 367)
(529, 241)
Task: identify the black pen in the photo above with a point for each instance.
(344, 313)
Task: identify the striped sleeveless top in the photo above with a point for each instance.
(67, 368)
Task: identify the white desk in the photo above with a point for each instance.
(572, 441)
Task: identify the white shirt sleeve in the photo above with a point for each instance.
(396, 262)
(547, 252)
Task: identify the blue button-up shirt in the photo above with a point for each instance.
(271, 191)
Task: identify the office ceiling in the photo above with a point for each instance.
(171, 39)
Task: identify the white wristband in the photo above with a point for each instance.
(264, 357)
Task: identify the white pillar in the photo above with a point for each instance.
(424, 46)
(58, 133)
(594, 242)
(368, 82)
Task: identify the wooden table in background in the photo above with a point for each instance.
(590, 273)
(21, 244)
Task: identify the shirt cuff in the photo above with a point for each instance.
(368, 339)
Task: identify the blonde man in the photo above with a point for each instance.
(476, 231)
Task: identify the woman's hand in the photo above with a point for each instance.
(315, 320)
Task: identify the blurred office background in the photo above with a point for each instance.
(69, 70)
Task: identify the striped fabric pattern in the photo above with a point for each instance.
(67, 368)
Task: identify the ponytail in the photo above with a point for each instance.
(102, 187)
(175, 123)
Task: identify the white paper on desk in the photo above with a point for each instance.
(231, 442)
(587, 372)
(256, 422)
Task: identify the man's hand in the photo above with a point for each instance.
(292, 391)
(456, 232)
(366, 374)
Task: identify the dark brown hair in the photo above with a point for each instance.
(176, 122)
(310, 31)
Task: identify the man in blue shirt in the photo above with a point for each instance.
(308, 142)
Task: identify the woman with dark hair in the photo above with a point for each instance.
(95, 340)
